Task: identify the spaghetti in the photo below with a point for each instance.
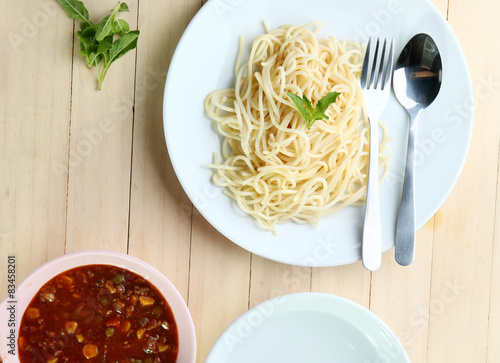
(271, 164)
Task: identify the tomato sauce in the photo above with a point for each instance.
(98, 313)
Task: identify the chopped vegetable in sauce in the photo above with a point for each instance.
(98, 313)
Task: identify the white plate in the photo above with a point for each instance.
(308, 327)
(204, 61)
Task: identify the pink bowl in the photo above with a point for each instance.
(27, 289)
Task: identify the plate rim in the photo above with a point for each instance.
(309, 298)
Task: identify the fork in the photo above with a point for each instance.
(375, 83)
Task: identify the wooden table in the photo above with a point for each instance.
(82, 169)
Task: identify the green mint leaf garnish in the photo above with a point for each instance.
(326, 101)
(300, 103)
(306, 110)
(103, 43)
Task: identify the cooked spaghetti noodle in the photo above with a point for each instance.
(276, 168)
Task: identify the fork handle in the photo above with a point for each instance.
(406, 224)
(372, 240)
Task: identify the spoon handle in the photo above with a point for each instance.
(406, 225)
(371, 248)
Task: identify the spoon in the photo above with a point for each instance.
(416, 81)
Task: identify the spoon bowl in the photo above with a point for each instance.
(416, 81)
(418, 73)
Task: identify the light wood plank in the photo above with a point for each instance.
(160, 214)
(272, 279)
(400, 295)
(219, 283)
(35, 78)
(463, 245)
(100, 149)
(351, 282)
(493, 350)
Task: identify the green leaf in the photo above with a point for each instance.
(105, 26)
(76, 10)
(317, 115)
(300, 104)
(309, 106)
(88, 32)
(124, 44)
(84, 26)
(309, 114)
(92, 50)
(105, 45)
(88, 45)
(87, 49)
(93, 59)
(118, 49)
(97, 41)
(326, 101)
(123, 8)
(120, 27)
(85, 42)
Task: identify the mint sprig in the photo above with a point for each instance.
(306, 110)
(103, 43)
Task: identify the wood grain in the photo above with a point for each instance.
(219, 283)
(351, 282)
(401, 295)
(463, 245)
(493, 349)
(271, 279)
(160, 212)
(100, 150)
(34, 128)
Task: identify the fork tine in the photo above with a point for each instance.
(380, 74)
(390, 64)
(374, 65)
(366, 61)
